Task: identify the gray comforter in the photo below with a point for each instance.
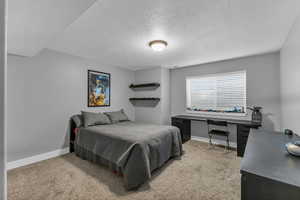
(134, 149)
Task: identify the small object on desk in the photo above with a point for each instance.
(288, 132)
(256, 114)
(293, 148)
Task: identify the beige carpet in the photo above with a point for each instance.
(201, 174)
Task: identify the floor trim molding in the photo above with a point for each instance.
(60, 152)
(36, 158)
(215, 141)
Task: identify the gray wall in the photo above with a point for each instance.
(290, 80)
(160, 114)
(165, 96)
(148, 114)
(45, 90)
(262, 87)
(2, 100)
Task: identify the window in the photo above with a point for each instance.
(217, 93)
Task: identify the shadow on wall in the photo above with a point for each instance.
(267, 123)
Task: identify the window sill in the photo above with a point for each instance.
(216, 114)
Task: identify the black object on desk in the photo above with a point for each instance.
(183, 122)
(268, 171)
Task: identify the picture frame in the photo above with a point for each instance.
(99, 89)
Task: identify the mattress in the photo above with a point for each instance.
(133, 149)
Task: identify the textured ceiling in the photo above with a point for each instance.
(32, 24)
(117, 32)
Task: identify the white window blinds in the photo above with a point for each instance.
(225, 93)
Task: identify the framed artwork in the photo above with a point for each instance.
(98, 89)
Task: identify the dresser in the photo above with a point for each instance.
(268, 171)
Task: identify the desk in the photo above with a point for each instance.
(268, 171)
(183, 122)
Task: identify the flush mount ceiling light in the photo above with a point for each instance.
(158, 45)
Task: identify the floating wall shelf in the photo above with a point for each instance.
(144, 101)
(144, 86)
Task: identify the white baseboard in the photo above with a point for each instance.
(37, 158)
(214, 141)
(60, 152)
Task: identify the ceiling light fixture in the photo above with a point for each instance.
(158, 45)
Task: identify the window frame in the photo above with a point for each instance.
(212, 112)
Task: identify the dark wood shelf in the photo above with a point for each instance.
(145, 99)
(144, 86)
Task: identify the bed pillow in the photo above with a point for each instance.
(77, 119)
(92, 119)
(117, 116)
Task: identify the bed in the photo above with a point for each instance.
(130, 149)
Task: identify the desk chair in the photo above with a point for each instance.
(214, 131)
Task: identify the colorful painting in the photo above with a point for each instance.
(98, 89)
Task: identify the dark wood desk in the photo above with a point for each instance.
(183, 122)
(268, 171)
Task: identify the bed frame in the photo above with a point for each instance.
(72, 135)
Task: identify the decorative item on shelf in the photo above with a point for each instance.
(256, 114)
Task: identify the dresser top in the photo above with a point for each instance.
(266, 156)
